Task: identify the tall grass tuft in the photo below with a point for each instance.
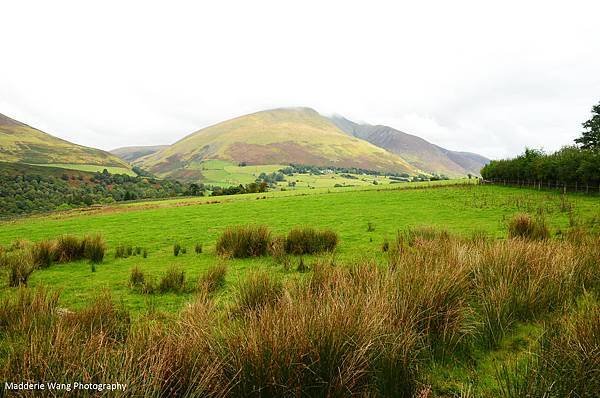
(44, 253)
(198, 248)
(176, 249)
(94, 248)
(20, 267)
(136, 279)
(524, 226)
(213, 279)
(172, 281)
(244, 241)
(69, 248)
(308, 240)
(257, 291)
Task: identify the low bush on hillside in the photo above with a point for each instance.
(308, 240)
(172, 281)
(244, 241)
(213, 279)
(527, 227)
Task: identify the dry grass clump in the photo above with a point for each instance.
(213, 279)
(44, 253)
(20, 266)
(526, 227)
(257, 291)
(172, 281)
(307, 240)
(244, 241)
(136, 279)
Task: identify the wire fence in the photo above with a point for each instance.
(561, 186)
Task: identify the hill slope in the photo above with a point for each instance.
(132, 153)
(20, 143)
(415, 150)
(278, 136)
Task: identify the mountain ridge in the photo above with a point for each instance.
(21, 143)
(277, 136)
(419, 152)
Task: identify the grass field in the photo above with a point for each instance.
(89, 167)
(471, 306)
(461, 210)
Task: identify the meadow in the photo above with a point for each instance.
(457, 312)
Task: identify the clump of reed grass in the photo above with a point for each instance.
(43, 253)
(20, 266)
(258, 290)
(213, 279)
(136, 278)
(244, 241)
(307, 240)
(176, 249)
(172, 281)
(94, 248)
(524, 226)
(69, 248)
(198, 248)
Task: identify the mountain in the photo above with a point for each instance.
(418, 152)
(278, 136)
(133, 153)
(20, 143)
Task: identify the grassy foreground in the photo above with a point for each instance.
(398, 310)
(459, 209)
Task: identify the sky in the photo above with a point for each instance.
(491, 77)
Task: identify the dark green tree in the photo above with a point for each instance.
(590, 138)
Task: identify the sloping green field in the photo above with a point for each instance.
(156, 226)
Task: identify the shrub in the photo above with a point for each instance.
(43, 253)
(20, 267)
(244, 241)
(524, 226)
(213, 279)
(308, 241)
(137, 277)
(94, 248)
(69, 248)
(145, 253)
(172, 281)
(257, 291)
(198, 248)
(176, 249)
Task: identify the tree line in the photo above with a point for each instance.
(575, 164)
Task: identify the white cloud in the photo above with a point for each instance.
(490, 77)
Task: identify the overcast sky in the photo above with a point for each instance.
(485, 76)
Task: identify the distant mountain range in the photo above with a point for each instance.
(272, 137)
(415, 150)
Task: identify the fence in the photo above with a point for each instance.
(561, 186)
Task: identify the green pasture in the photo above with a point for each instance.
(89, 167)
(156, 226)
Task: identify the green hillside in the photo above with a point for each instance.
(274, 137)
(20, 143)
